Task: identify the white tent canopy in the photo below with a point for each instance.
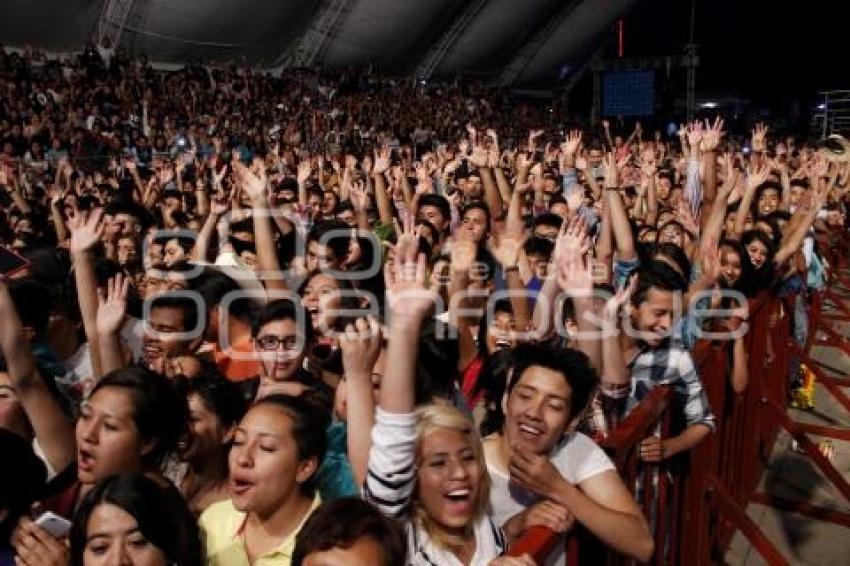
(518, 42)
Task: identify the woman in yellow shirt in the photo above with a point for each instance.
(277, 448)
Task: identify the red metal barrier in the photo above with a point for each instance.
(697, 513)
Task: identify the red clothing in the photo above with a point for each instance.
(470, 379)
(240, 367)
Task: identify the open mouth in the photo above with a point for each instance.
(240, 486)
(85, 460)
(459, 501)
(529, 431)
(503, 344)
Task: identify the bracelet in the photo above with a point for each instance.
(507, 268)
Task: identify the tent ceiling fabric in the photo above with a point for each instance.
(392, 35)
(56, 25)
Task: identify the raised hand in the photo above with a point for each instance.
(357, 195)
(756, 175)
(254, 183)
(711, 135)
(505, 248)
(612, 171)
(478, 157)
(112, 308)
(382, 160)
(694, 135)
(618, 299)
(570, 147)
(463, 252)
(759, 139)
(570, 255)
(86, 230)
(360, 344)
(305, 169)
(407, 297)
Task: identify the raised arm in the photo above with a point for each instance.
(360, 345)
(111, 312)
(382, 200)
(462, 257)
(619, 220)
(255, 184)
(575, 278)
(756, 175)
(86, 232)
(53, 431)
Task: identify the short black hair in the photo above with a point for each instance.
(538, 245)
(160, 513)
(332, 233)
(33, 302)
(574, 365)
(284, 309)
(341, 523)
(437, 201)
(187, 305)
(478, 205)
(213, 286)
(309, 425)
(547, 219)
(659, 275)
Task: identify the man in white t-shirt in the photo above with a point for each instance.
(543, 475)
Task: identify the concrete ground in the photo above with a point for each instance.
(802, 539)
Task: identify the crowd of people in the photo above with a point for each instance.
(334, 318)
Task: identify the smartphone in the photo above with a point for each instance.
(57, 526)
(11, 263)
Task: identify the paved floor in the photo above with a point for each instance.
(801, 539)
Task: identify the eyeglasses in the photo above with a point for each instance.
(272, 343)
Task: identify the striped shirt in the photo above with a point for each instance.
(390, 483)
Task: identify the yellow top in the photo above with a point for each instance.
(221, 525)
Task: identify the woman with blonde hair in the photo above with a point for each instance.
(426, 465)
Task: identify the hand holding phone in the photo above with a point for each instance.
(53, 524)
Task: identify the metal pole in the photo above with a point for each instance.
(825, 114)
(691, 50)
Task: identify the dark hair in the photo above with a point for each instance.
(33, 303)
(675, 253)
(538, 245)
(309, 424)
(160, 513)
(437, 201)
(659, 275)
(764, 276)
(323, 233)
(502, 305)
(22, 477)
(220, 395)
(284, 309)
(185, 304)
(350, 300)
(572, 364)
(213, 286)
(547, 219)
(493, 380)
(159, 411)
(478, 205)
(341, 523)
